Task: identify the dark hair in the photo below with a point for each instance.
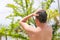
(42, 16)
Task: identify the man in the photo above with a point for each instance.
(43, 31)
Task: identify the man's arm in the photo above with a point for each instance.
(25, 25)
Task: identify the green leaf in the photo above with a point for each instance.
(12, 6)
(9, 16)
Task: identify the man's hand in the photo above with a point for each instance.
(34, 14)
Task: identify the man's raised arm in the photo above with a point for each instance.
(25, 25)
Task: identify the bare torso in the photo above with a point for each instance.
(43, 34)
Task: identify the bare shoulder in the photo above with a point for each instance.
(50, 27)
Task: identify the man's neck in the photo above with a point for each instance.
(40, 24)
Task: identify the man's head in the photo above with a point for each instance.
(42, 16)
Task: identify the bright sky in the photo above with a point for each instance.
(5, 11)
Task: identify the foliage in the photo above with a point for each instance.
(22, 9)
(47, 4)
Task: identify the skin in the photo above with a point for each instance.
(42, 32)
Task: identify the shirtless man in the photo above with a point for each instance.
(43, 31)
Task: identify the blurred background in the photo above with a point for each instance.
(11, 11)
